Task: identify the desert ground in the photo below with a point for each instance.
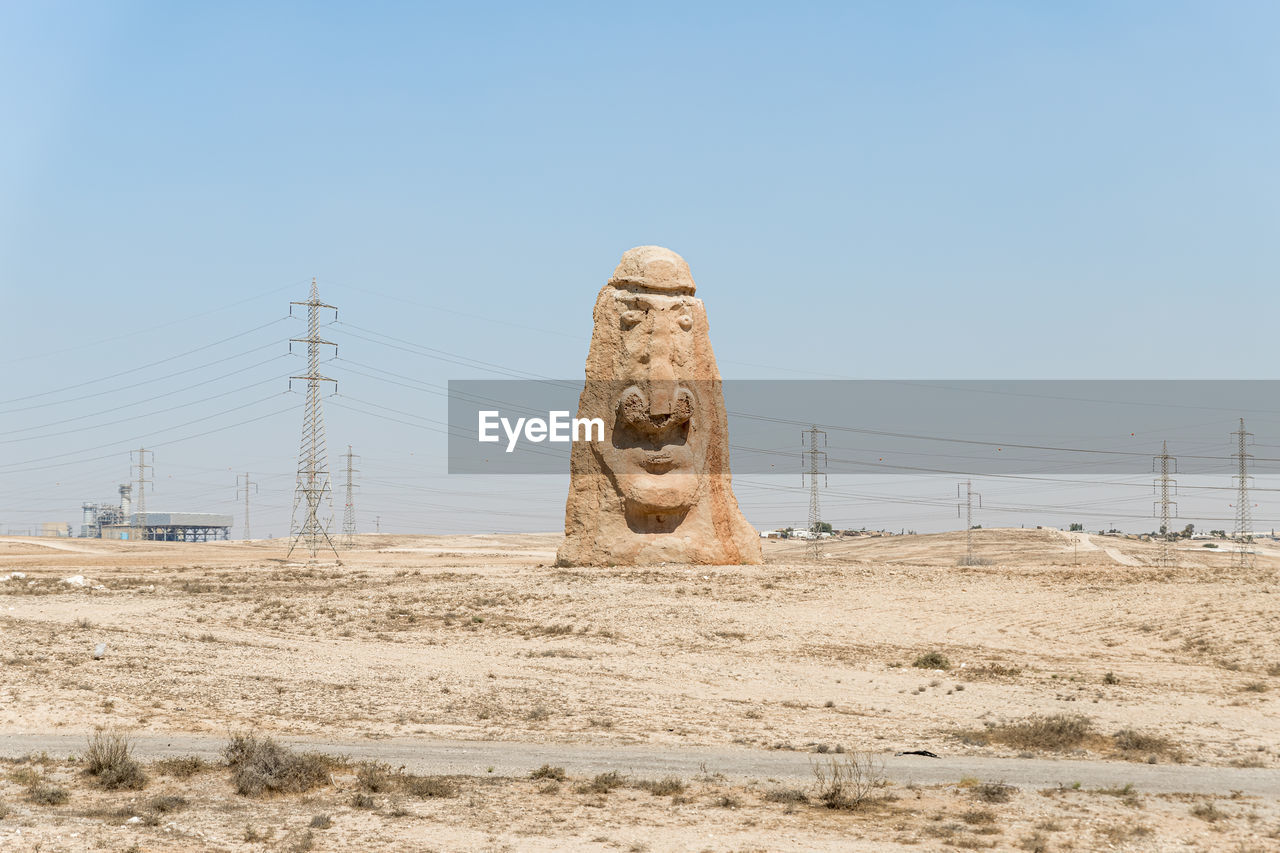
(1067, 648)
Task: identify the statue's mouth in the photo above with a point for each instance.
(658, 461)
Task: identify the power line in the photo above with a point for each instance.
(313, 490)
(137, 369)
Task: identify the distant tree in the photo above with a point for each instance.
(1079, 527)
(1221, 534)
(976, 527)
(1188, 530)
(822, 527)
(786, 532)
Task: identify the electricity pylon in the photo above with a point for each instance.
(969, 495)
(313, 492)
(248, 484)
(1164, 465)
(1243, 555)
(815, 516)
(349, 514)
(140, 505)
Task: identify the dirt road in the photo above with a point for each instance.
(477, 758)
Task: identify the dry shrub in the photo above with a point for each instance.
(1036, 842)
(1208, 812)
(786, 795)
(932, 660)
(47, 795)
(180, 767)
(1057, 732)
(602, 783)
(374, 776)
(546, 771)
(261, 766)
(993, 792)
(848, 782)
(1134, 742)
(666, 787)
(167, 803)
(109, 759)
(428, 787)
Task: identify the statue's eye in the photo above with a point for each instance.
(686, 322)
(631, 318)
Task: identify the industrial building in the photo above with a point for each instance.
(106, 521)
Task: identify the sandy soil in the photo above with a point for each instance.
(480, 638)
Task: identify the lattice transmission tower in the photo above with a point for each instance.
(809, 440)
(970, 559)
(1242, 555)
(349, 514)
(1164, 465)
(313, 494)
(140, 505)
(248, 484)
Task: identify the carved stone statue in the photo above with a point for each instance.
(658, 487)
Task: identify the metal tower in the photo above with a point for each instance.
(1164, 465)
(815, 516)
(313, 493)
(969, 495)
(140, 505)
(349, 514)
(247, 485)
(1243, 555)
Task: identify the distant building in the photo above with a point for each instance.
(171, 527)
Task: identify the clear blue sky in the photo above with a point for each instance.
(875, 190)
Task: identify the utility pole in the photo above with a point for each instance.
(1243, 556)
(247, 485)
(349, 515)
(1164, 464)
(140, 505)
(377, 523)
(313, 492)
(815, 516)
(969, 495)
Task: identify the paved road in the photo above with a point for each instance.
(478, 758)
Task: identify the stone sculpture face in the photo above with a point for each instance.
(657, 488)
